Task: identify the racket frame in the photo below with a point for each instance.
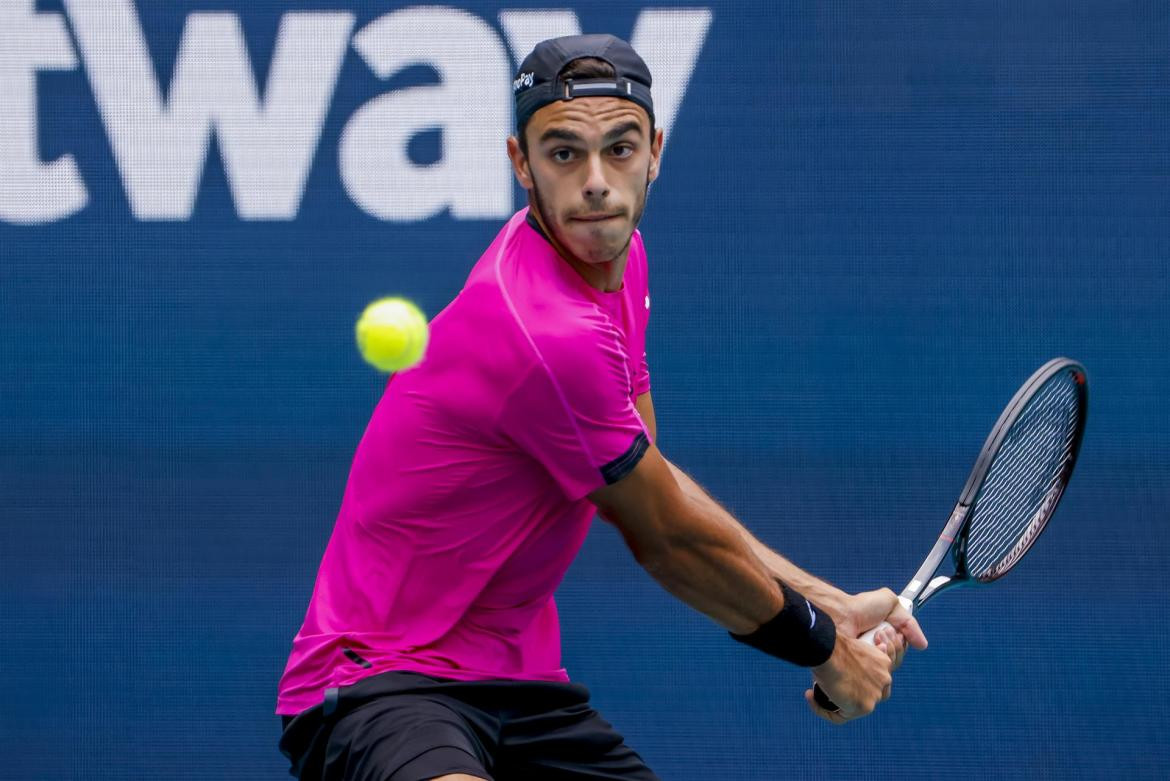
(953, 540)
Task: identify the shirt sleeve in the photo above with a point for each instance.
(642, 375)
(573, 412)
(642, 378)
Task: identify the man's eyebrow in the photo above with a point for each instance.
(568, 135)
(622, 129)
(561, 133)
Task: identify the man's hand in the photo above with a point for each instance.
(857, 675)
(856, 678)
(859, 610)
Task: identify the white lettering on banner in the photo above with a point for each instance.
(669, 40)
(525, 29)
(268, 140)
(471, 107)
(161, 149)
(31, 191)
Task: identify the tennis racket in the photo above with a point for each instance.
(1012, 491)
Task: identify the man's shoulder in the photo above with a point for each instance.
(539, 288)
(532, 323)
(522, 280)
(580, 348)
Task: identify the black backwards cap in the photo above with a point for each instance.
(537, 84)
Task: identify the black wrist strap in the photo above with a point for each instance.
(800, 633)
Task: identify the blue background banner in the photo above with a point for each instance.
(873, 222)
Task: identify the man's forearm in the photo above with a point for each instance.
(711, 568)
(822, 593)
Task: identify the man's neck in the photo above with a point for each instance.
(606, 277)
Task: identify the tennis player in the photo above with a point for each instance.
(431, 647)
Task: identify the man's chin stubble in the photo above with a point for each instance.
(538, 202)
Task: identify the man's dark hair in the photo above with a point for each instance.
(581, 68)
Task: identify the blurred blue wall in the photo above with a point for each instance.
(873, 222)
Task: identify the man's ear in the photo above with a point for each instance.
(519, 163)
(655, 154)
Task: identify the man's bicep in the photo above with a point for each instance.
(641, 505)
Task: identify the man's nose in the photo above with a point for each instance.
(596, 187)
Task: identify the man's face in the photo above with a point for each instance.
(589, 164)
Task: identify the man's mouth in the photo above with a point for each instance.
(595, 217)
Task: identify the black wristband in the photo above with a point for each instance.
(800, 633)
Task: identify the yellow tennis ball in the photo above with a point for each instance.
(392, 334)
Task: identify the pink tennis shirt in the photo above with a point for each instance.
(466, 500)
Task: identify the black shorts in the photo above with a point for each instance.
(402, 726)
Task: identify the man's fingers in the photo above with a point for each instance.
(907, 626)
(893, 643)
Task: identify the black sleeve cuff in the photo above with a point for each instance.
(624, 464)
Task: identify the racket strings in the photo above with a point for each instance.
(1025, 480)
(1003, 542)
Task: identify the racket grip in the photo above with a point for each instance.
(819, 695)
(871, 634)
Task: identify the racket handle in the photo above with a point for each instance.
(819, 695)
(871, 634)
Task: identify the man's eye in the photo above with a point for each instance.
(623, 150)
(562, 155)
